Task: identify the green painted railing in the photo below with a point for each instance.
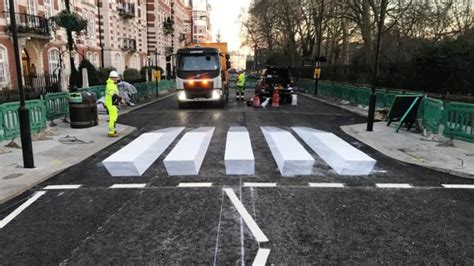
(3, 132)
(459, 121)
(11, 122)
(431, 113)
(57, 105)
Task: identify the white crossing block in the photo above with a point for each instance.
(187, 156)
(290, 156)
(238, 158)
(135, 158)
(340, 155)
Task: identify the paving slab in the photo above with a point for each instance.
(414, 148)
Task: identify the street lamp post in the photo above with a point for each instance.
(373, 99)
(25, 134)
(156, 69)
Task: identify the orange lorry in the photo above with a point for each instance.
(202, 74)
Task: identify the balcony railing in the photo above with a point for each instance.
(126, 10)
(30, 24)
(129, 44)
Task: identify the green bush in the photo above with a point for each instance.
(131, 74)
(104, 73)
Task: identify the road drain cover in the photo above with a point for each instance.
(11, 176)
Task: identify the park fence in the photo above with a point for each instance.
(455, 119)
(56, 105)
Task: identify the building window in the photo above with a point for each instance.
(48, 7)
(53, 61)
(3, 65)
(91, 25)
(118, 62)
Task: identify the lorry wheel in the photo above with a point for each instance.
(288, 99)
(182, 105)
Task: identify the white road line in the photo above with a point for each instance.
(332, 185)
(393, 185)
(252, 225)
(53, 187)
(464, 186)
(128, 186)
(22, 207)
(195, 185)
(261, 258)
(260, 184)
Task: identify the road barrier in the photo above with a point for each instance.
(56, 105)
(459, 121)
(457, 118)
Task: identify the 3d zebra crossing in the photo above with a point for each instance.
(187, 155)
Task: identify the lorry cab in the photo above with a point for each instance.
(200, 76)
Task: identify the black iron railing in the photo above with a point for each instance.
(126, 10)
(32, 24)
(43, 82)
(129, 44)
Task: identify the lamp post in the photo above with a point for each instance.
(25, 134)
(156, 69)
(317, 70)
(373, 99)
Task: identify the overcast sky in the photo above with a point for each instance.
(225, 17)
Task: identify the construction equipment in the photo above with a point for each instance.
(202, 74)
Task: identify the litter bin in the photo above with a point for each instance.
(83, 110)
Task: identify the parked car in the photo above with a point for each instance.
(274, 76)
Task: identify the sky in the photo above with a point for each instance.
(225, 17)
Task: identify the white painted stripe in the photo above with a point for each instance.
(393, 185)
(261, 258)
(463, 186)
(128, 186)
(195, 185)
(238, 158)
(52, 187)
(260, 184)
(338, 185)
(21, 208)
(252, 225)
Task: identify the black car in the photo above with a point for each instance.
(275, 76)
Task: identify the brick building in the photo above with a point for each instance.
(120, 33)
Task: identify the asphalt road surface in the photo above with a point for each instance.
(161, 223)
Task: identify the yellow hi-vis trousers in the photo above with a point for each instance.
(113, 115)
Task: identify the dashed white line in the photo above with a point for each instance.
(21, 208)
(195, 185)
(393, 185)
(260, 184)
(128, 186)
(463, 186)
(330, 185)
(261, 258)
(252, 225)
(62, 187)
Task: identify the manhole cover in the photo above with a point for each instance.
(11, 176)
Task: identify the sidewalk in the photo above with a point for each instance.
(409, 147)
(52, 156)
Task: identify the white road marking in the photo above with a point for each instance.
(21, 208)
(128, 186)
(261, 258)
(252, 225)
(195, 185)
(250, 184)
(393, 185)
(331, 185)
(463, 186)
(53, 187)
